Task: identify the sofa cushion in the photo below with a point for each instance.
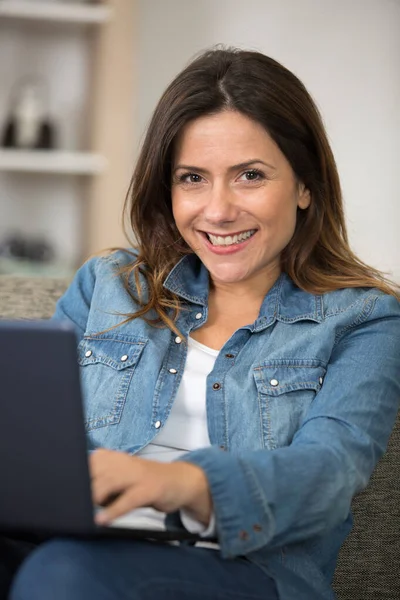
(29, 298)
(369, 561)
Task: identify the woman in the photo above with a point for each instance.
(242, 340)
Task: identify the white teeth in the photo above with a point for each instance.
(229, 240)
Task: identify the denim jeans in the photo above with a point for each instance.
(125, 570)
(12, 554)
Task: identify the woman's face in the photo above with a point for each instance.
(234, 197)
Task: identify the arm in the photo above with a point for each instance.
(273, 498)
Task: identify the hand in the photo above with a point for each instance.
(124, 482)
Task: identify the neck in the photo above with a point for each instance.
(251, 291)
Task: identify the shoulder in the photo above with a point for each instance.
(345, 305)
(96, 290)
(367, 301)
(114, 260)
(362, 310)
(99, 267)
(111, 279)
(98, 276)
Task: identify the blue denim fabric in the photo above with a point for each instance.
(122, 570)
(300, 405)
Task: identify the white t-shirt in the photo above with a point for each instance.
(185, 430)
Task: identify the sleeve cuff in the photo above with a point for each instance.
(194, 526)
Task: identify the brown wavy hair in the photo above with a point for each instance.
(318, 258)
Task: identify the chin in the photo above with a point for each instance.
(228, 275)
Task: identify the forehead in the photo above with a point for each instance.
(227, 133)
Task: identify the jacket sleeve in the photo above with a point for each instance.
(269, 498)
(74, 305)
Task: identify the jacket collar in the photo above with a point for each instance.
(285, 302)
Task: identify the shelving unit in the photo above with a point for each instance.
(73, 13)
(52, 161)
(85, 51)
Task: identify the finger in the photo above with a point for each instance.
(104, 488)
(107, 500)
(127, 501)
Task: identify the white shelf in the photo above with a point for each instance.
(56, 11)
(27, 268)
(52, 161)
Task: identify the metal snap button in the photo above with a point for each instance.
(173, 371)
(321, 380)
(124, 357)
(216, 386)
(88, 353)
(274, 382)
(178, 339)
(198, 316)
(157, 424)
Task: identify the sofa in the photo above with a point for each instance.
(369, 562)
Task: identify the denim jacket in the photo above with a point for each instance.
(300, 406)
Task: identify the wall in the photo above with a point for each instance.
(348, 56)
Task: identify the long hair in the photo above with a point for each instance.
(318, 258)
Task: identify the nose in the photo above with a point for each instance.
(220, 206)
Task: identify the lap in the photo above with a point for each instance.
(124, 570)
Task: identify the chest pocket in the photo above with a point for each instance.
(286, 388)
(107, 365)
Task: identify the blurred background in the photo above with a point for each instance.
(80, 79)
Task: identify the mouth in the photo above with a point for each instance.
(229, 240)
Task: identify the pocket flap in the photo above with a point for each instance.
(116, 351)
(280, 376)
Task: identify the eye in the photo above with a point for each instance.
(253, 175)
(191, 178)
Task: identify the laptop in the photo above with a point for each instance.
(44, 473)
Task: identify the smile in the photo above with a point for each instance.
(229, 240)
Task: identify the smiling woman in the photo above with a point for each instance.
(235, 212)
(240, 365)
(272, 114)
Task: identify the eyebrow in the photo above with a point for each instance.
(237, 167)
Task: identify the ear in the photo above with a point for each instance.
(304, 197)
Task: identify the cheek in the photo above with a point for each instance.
(182, 210)
(176, 210)
(288, 225)
(182, 216)
(282, 216)
(281, 223)
(290, 219)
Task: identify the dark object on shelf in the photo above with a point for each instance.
(35, 250)
(43, 141)
(27, 125)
